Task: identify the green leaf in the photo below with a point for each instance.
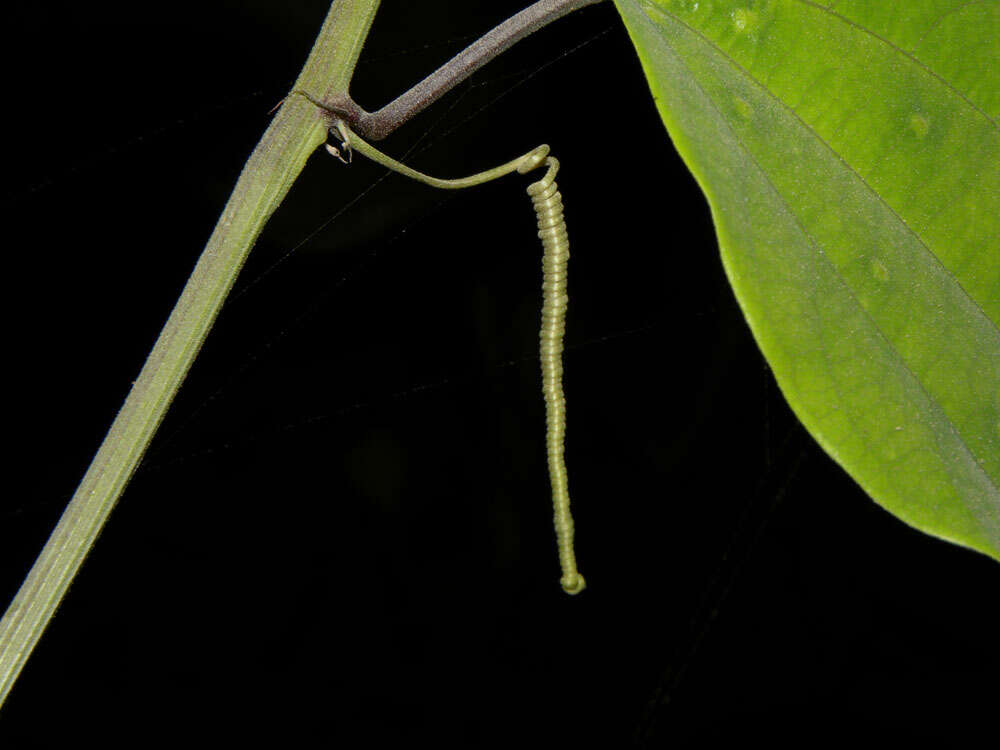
(851, 158)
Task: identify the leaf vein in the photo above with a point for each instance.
(951, 12)
(951, 87)
(850, 167)
(820, 253)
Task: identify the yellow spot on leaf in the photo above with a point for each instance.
(879, 271)
(919, 125)
(744, 20)
(743, 108)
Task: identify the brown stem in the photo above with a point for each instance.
(377, 125)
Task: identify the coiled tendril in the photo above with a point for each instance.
(547, 201)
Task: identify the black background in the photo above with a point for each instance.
(342, 533)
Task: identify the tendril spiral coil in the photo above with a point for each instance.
(546, 199)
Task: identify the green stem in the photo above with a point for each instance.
(293, 135)
(351, 142)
